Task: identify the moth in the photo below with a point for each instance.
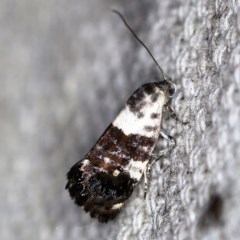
(105, 178)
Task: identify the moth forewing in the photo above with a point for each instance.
(106, 177)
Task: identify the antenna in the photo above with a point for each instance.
(139, 40)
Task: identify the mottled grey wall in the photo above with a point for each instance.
(67, 68)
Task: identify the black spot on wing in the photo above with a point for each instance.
(155, 115)
(135, 105)
(140, 115)
(155, 97)
(137, 101)
(149, 88)
(75, 177)
(110, 188)
(151, 128)
(98, 191)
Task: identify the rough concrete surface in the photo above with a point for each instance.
(67, 68)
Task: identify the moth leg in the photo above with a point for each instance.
(147, 177)
(173, 114)
(171, 144)
(146, 181)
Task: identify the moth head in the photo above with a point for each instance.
(168, 88)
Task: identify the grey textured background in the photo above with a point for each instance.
(67, 68)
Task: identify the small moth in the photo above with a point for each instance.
(105, 178)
